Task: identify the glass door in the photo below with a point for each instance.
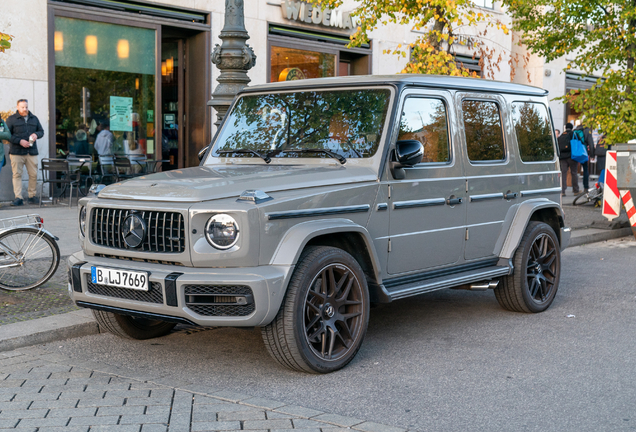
(172, 86)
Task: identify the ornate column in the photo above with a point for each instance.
(233, 58)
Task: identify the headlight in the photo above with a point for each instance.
(222, 231)
(82, 221)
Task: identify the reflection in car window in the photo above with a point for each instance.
(484, 134)
(424, 120)
(532, 127)
(346, 122)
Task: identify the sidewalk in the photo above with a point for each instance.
(24, 315)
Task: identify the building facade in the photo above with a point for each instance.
(143, 68)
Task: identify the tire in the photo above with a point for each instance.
(325, 313)
(130, 327)
(38, 254)
(582, 198)
(532, 289)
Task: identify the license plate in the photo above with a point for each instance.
(120, 278)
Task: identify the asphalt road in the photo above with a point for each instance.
(445, 361)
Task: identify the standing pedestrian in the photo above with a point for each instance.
(566, 162)
(25, 129)
(104, 140)
(557, 133)
(4, 135)
(586, 138)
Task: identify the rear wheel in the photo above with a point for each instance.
(582, 198)
(324, 316)
(537, 270)
(130, 327)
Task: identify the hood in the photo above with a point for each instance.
(224, 181)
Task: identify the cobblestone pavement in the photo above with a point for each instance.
(43, 392)
(49, 299)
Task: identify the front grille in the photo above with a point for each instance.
(165, 231)
(153, 295)
(219, 294)
(172, 263)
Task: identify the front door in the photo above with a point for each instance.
(172, 86)
(427, 210)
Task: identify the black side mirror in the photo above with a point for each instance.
(201, 153)
(407, 154)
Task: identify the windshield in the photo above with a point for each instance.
(348, 123)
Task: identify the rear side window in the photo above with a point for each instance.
(483, 131)
(532, 127)
(424, 120)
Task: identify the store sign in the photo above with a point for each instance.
(121, 113)
(306, 13)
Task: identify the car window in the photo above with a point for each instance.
(483, 130)
(346, 122)
(425, 120)
(534, 134)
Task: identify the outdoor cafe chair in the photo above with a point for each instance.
(57, 171)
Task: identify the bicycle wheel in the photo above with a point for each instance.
(28, 258)
(582, 198)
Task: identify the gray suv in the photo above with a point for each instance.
(318, 198)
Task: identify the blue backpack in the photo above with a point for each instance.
(579, 152)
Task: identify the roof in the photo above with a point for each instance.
(432, 81)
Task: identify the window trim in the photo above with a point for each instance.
(555, 147)
(506, 157)
(451, 153)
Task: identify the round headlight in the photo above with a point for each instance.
(82, 221)
(222, 231)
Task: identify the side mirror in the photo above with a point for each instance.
(408, 153)
(202, 152)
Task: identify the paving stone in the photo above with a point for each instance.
(20, 390)
(263, 403)
(90, 421)
(8, 422)
(148, 418)
(82, 395)
(101, 402)
(72, 412)
(128, 393)
(148, 385)
(241, 415)
(36, 413)
(377, 427)
(149, 401)
(72, 374)
(121, 410)
(228, 407)
(277, 415)
(207, 417)
(162, 392)
(64, 388)
(63, 403)
(100, 380)
(298, 430)
(116, 428)
(215, 426)
(22, 429)
(44, 422)
(181, 411)
(39, 382)
(27, 375)
(12, 383)
(16, 405)
(64, 429)
(268, 424)
(154, 427)
(230, 396)
(338, 420)
(157, 409)
(310, 424)
(109, 387)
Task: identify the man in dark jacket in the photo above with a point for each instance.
(25, 129)
(566, 162)
(588, 142)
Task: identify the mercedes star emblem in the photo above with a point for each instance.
(133, 230)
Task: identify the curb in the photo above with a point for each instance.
(597, 235)
(48, 329)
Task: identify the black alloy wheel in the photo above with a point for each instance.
(541, 268)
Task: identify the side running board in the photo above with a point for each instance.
(414, 287)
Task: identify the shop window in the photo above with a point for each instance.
(483, 131)
(291, 64)
(425, 120)
(534, 135)
(104, 75)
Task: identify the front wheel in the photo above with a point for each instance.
(537, 270)
(582, 198)
(324, 316)
(130, 327)
(28, 258)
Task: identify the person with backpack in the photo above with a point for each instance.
(565, 161)
(584, 135)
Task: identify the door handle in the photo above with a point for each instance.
(510, 195)
(453, 201)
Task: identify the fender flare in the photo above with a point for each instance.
(516, 222)
(296, 238)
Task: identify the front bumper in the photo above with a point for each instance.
(170, 296)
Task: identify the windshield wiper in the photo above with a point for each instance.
(248, 151)
(340, 158)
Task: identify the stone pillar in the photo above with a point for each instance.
(233, 58)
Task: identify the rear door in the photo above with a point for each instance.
(490, 171)
(426, 229)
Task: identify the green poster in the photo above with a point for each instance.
(150, 116)
(121, 113)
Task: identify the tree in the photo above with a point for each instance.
(441, 21)
(601, 37)
(5, 41)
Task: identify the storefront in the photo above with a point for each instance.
(125, 68)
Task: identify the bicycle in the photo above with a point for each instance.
(29, 255)
(591, 196)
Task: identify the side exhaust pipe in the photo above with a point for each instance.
(480, 286)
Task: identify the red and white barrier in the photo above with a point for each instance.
(611, 196)
(629, 206)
